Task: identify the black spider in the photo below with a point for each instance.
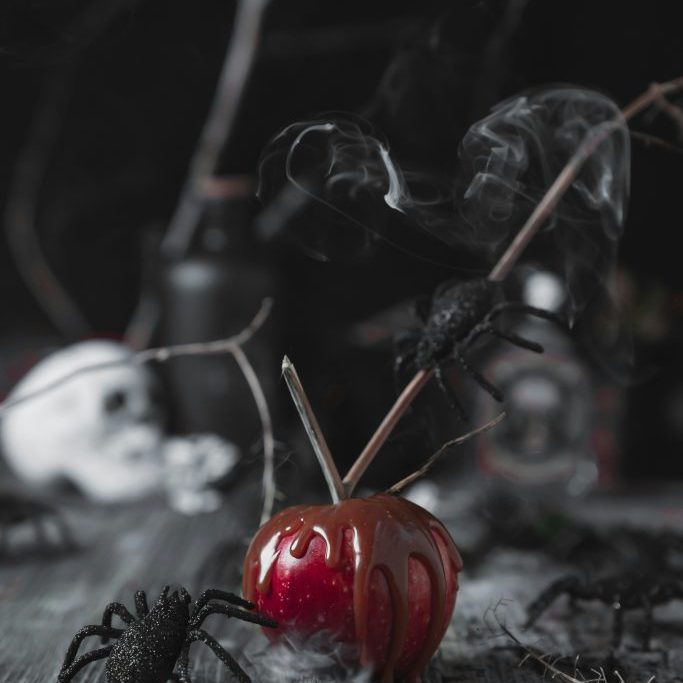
(17, 510)
(458, 314)
(148, 650)
(625, 591)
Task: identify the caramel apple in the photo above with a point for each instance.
(379, 574)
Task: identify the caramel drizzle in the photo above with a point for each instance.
(383, 527)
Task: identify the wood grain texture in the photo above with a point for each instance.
(43, 602)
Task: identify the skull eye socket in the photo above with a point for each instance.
(115, 401)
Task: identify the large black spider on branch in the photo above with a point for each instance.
(455, 318)
(158, 639)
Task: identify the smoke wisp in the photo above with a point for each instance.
(337, 189)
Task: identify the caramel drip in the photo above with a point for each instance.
(386, 531)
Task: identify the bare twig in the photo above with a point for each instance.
(542, 211)
(219, 125)
(315, 435)
(672, 111)
(160, 355)
(22, 207)
(266, 428)
(568, 174)
(653, 141)
(232, 81)
(399, 486)
(23, 199)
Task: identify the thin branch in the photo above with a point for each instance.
(30, 172)
(399, 486)
(648, 141)
(21, 214)
(385, 429)
(266, 428)
(234, 75)
(569, 173)
(164, 353)
(312, 427)
(159, 355)
(673, 112)
(237, 66)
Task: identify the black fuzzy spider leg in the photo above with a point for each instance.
(120, 611)
(183, 664)
(519, 307)
(93, 630)
(217, 594)
(478, 377)
(569, 584)
(67, 673)
(450, 394)
(486, 327)
(230, 663)
(141, 606)
(230, 611)
(517, 340)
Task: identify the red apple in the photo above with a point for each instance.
(378, 573)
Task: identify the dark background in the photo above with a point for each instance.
(139, 84)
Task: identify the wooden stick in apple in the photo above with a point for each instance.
(312, 427)
(543, 210)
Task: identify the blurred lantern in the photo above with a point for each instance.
(559, 434)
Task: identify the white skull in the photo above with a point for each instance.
(100, 430)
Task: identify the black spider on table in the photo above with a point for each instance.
(457, 316)
(158, 639)
(17, 510)
(624, 591)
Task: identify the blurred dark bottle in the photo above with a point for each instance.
(214, 293)
(560, 435)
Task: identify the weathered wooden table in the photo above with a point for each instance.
(43, 602)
